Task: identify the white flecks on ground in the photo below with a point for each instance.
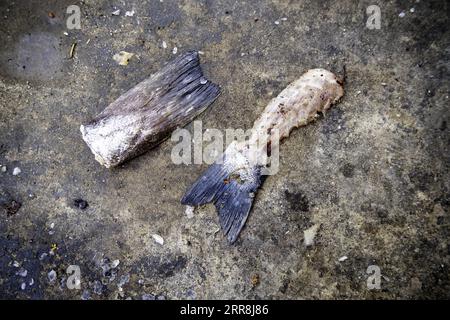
(52, 225)
(203, 81)
(43, 255)
(123, 57)
(277, 22)
(23, 286)
(164, 45)
(158, 239)
(129, 13)
(190, 210)
(65, 33)
(384, 84)
(175, 50)
(115, 263)
(310, 234)
(342, 259)
(22, 272)
(412, 10)
(31, 282)
(16, 171)
(116, 13)
(16, 264)
(402, 14)
(51, 275)
(4, 168)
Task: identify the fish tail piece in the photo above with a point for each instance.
(231, 187)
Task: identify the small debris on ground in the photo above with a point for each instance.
(129, 13)
(123, 57)
(164, 45)
(53, 248)
(342, 259)
(175, 50)
(16, 171)
(255, 279)
(80, 204)
(158, 239)
(189, 212)
(22, 272)
(116, 13)
(310, 234)
(72, 50)
(115, 263)
(402, 14)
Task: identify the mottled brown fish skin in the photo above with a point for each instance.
(232, 182)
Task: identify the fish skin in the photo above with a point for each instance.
(297, 105)
(146, 114)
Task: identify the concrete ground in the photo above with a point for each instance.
(372, 175)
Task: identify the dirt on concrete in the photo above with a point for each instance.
(373, 173)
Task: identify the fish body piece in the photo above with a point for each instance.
(145, 115)
(233, 180)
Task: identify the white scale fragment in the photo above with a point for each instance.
(158, 239)
(190, 212)
(310, 234)
(16, 171)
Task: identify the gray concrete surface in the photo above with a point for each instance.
(373, 173)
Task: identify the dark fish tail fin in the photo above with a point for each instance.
(231, 188)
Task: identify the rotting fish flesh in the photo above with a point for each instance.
(145, 115)
(232, 181)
